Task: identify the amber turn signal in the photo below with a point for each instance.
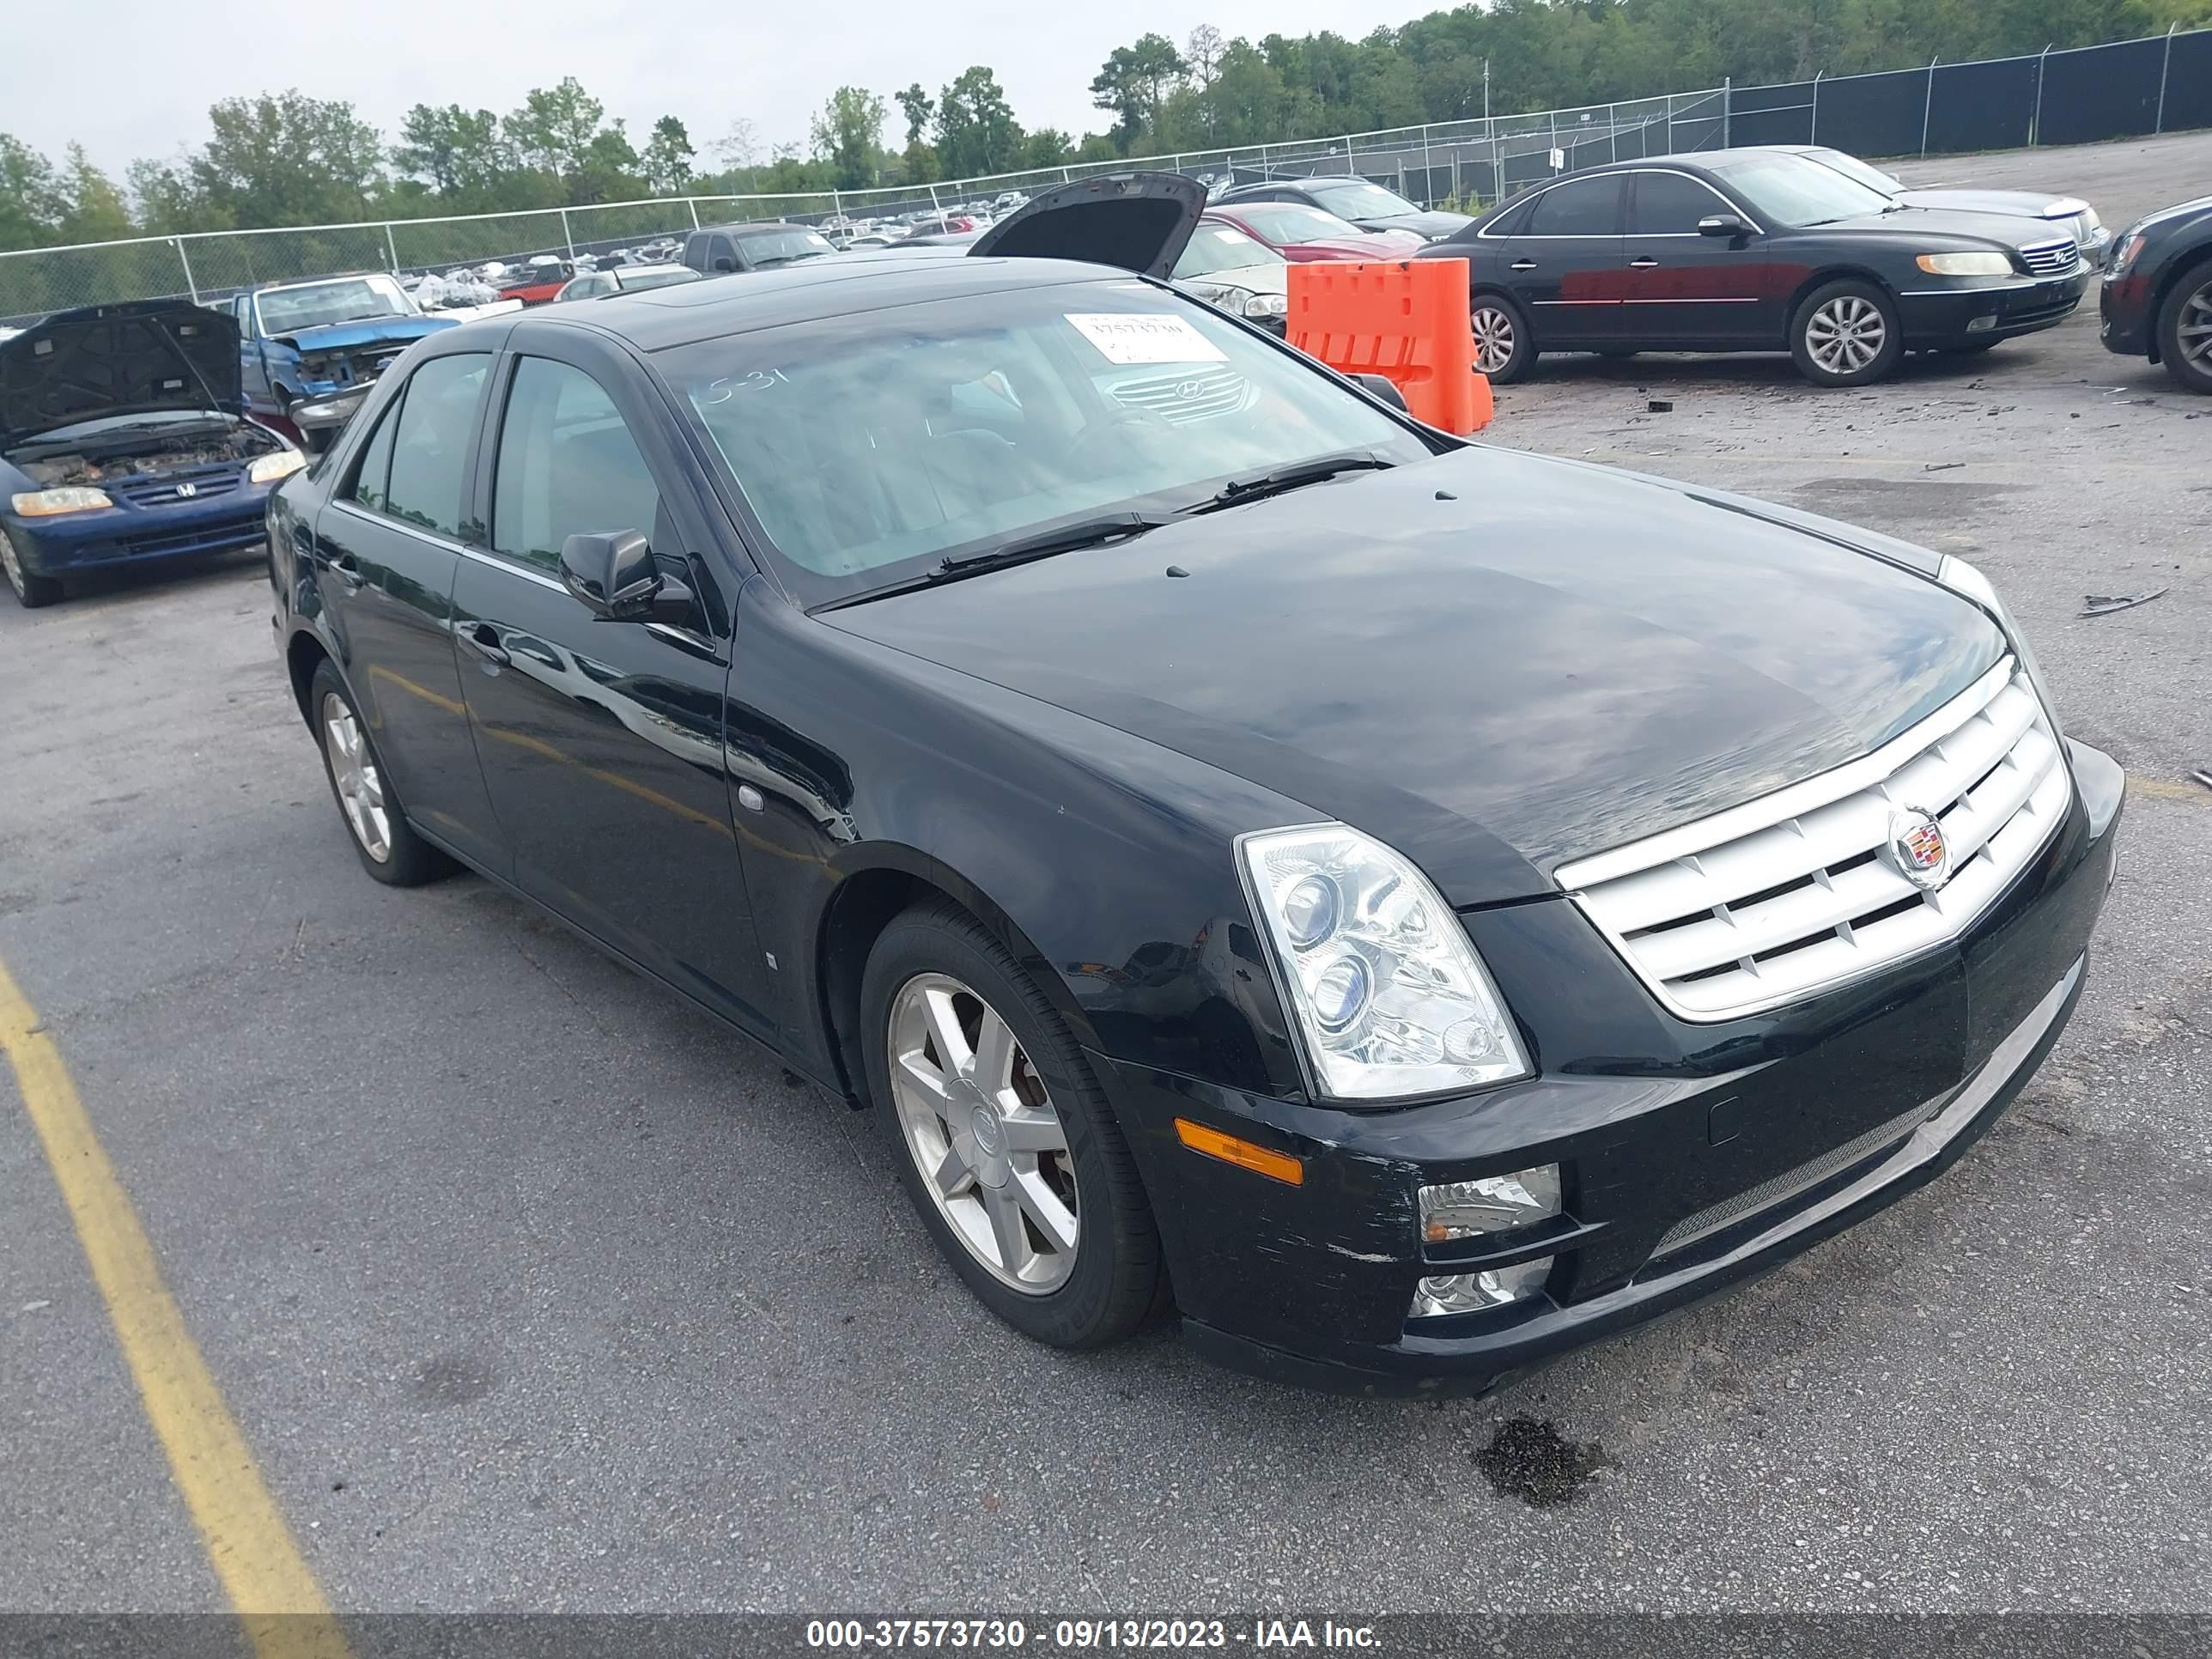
(1277, 1166)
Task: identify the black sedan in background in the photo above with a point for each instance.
(1752, 250)
(981, 680)
(1357, 201)
(2156, 300)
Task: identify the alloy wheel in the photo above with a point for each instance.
(11, 564)
(981, 1127)
(1846, 334)
(1493, 338)
(2195, 331)
(353, 770)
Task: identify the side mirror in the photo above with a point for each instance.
(726, 263)
(1723, 224)
(1382, 387)
(612, 574)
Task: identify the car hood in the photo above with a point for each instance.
(1983, 227)
(138, 358)
(1427, 226)
(369, 330)
(1376, 245)
(1557, 661)
(1140, 221)
(2020, 204)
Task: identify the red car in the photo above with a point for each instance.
(1302, 233)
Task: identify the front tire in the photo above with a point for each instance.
(1505, 349)
(386, 844)
(1846, 333)
(31, 590)
(2185, 329)
(1006, 1143)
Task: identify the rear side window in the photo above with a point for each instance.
(429, 452)
(1581, 207)
(369, 483)
(568, 466)
(1670, 204)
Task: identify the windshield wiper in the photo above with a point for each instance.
(1320, 470)
(1021, 550)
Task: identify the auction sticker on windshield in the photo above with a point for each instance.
(1144, 336)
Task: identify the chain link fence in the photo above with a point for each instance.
(2124, 89)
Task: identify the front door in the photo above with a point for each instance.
(1684, 289)
(385, 549)
(602, 741)
(1563, 264)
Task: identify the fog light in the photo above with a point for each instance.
(1495, 1204)
(1979, 324)
(1460, 1293)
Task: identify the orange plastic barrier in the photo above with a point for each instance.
(1405, 319)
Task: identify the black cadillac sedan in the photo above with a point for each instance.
(1752, 250)
(2156, 298)
(1412, 907)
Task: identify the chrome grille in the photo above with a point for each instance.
(161, 491)
(1772, 901)
(1187, 396)
(2052, 258)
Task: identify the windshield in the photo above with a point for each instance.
(872, 446)
(632, 277)
(771, 247)
(1789, 190)
(1851, 167)
(1286, 223)
(317, 305)
(1223, 247)
(1356, 198)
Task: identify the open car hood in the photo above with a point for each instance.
(367, 330)
(132, 359)
(1140, 221)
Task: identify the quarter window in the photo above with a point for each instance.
(368, 482)
(1670, 204)
(568, 466)
(1583, 207)
(429, 454)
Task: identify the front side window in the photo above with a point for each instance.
(1791, 191)
(1583, 207)
(1222, 247)
(430, 446)
(568, 466)
(871, 448)
(1670, 204)
(318, 305)
(1287, 224)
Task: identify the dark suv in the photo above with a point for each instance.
(718, 249)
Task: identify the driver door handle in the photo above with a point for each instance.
(1523, 264)
(1643, 262)
(484, 639)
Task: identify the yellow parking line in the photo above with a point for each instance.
(244, 1534)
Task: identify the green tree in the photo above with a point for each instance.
(1048, 147)
(287, 159)
(31, 205)
(555, 127)
(977, 132)
(462, 153)
(1135, 82)
(849, 134)
(919, 107)
(95, 210)
(668, 155)
(611, 173)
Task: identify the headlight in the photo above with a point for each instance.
(2124, 252)
(50, 503)
(1968, 580)
(1388, 993)
(269, 468)
(1991, 264)
(1267, 305)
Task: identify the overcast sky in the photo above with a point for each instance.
(160, 66)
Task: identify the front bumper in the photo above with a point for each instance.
(2124, 315)
(1962, 315)
(132, 535)
(1707, 1163)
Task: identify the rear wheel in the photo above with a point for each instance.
(30, 591)
(1846, 333)
(1503, 348)
(1006, 1144)
(2184, 329)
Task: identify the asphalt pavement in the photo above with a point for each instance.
(528, 1288)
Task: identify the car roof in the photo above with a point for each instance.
(652, 319)
(754, 224)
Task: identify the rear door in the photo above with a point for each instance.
(602, 740)
(385, 549)
(1684, 289)
(1563, 264)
